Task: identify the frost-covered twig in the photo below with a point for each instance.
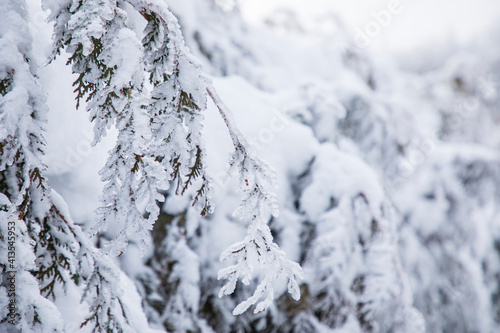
(259, 202)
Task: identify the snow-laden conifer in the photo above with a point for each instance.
(159, 120)
(51, 252)
(31, 228)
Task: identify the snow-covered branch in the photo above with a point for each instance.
(258, 204)
(160, 130)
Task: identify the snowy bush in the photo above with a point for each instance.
(241, 178)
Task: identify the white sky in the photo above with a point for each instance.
(421, 23)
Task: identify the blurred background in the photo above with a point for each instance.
(420, 25)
